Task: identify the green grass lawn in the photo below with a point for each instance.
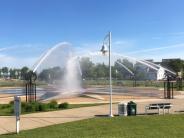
(166, 126)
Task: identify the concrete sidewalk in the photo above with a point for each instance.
(35, 120)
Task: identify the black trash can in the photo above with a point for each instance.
(131, 108)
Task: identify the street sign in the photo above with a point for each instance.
(17, 106)
(17, 111)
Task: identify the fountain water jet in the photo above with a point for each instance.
(72, 78)
(159, 66)
(160, 70)
(47, 54)
(61, 55)
(125, 68)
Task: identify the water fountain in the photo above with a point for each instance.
(160, 72)
(72, 77)
(63, 57)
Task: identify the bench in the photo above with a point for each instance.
(158, 106)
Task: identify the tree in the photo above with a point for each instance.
(87, 68)
(12, 73)
(24, 70)
(51, 74)
(45, 75)
(174, 64)
(102, 70)
(5, 69)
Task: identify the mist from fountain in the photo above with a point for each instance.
(61, 55)
(72, 77)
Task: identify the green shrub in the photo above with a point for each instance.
(33, 106)
(53, 104)
(12, 110)
(3, 106)
(11, 102)
(23, 104)
(43, 107)
(36, 106)
(30, 107)
(64, 105)
(25, 107)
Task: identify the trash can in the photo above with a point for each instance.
(122, 109)
(132, 108)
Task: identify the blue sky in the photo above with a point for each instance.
(29, 27)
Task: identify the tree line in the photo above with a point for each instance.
(94, 71)
(13, 73)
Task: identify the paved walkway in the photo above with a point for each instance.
(35, 120)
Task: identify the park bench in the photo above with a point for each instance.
(158, 106)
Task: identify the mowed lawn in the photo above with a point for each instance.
(157, 126)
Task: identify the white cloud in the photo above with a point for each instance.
(20, 55)
(157, 49)
(120, 42)
(164, 55)
(124, 43)
(168, 35)
(117, 46)
(176, 34)
(87, 48)
(15, 62)
(5, 48)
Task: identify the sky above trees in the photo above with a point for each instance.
(144, 29)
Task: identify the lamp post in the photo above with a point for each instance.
(107, 41)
